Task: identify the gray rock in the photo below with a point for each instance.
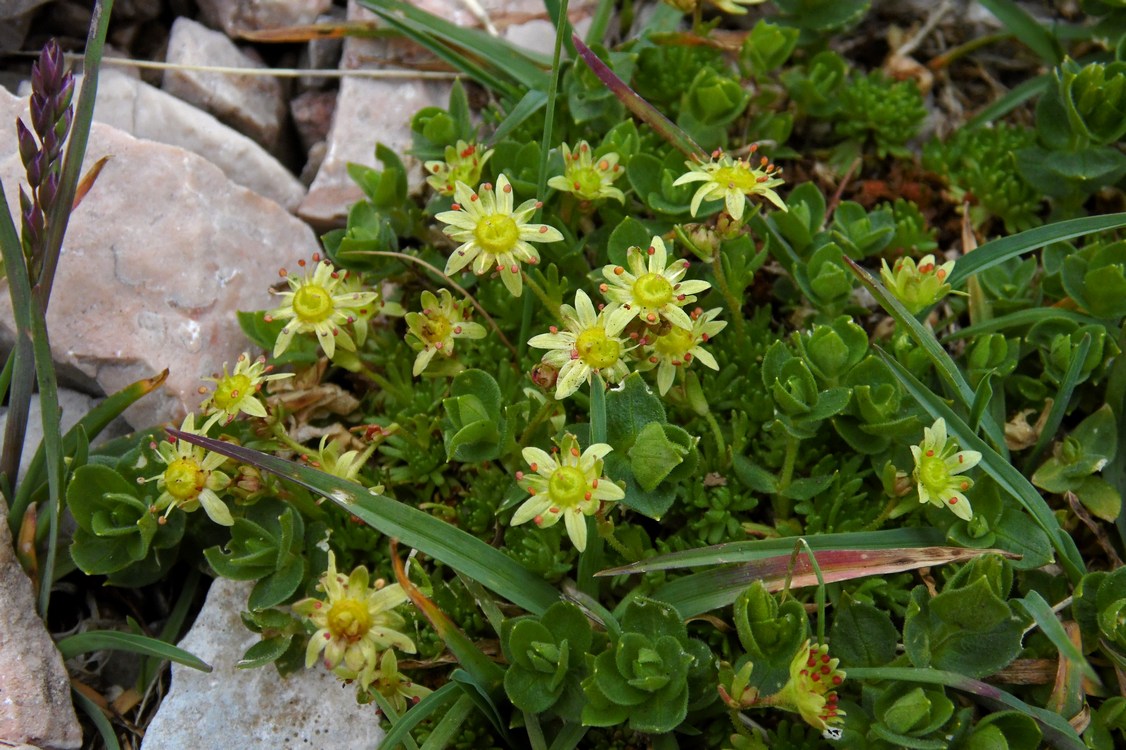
(252, 105)
(312, 115)
(158, 258)
(35, 702)
(252, 708)
(235, 16)
(380, 110)
(367, 111)
(147, 112)
(73, 406)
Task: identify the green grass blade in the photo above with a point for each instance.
(1040, 611)
(596, 34)
(1018, 95)
(172, 628)
(1025, 318)
(569, 737)
(552, 95)
(52, 447)
(943, 363)
(1004, 473)
(1062, 400)
(1058, 732)
(518, 64)
(23, 373)
(446, 729)
(999, 250)
(115, 640)
(1027, 29)
(93, 422)
(427, 707)
(75, 151)
(759, 549)
(557, 12)
(492, 568)
(644, 111)
(98, 719)
(531, 103)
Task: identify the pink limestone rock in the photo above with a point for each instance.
(157, 260)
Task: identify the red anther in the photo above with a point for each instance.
(652, 250)
(519, 475)
(763, 178)
(514, 268)
(539, 204)
(317, 257)
(436, 168)
(654, 360)
(531, 490)
(681, 297)
(594, 483)
(584, 148)
(965, 485)
(500, 267)
(473, 198)
(754, 147)
(575, 452)
(543, 228)
(930, 453)
(953, 501)
(553, 329)
(940, 273)
(508, 188)
(603, 165)
(455, 207)
(468, 151)
(837, 679)
(618, 270)
(282, 272)
(487, 186)
(574, 354)
(688, 356)
(457, 329)
(301, 262)
(533, 467)
(763, 161)
(815, 677)
(538, 520)
(587, 496)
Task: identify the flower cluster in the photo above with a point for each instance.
(354, 624)
(812, 688)
(237, 393)
(492, 234)
(938, 468)
(586, 179)
(732, 181)
(917, 286)
(191, 477)
(653, 292)
(590, 342)
(570, 488)
(434, 329)
(463, 163)
(320, 303)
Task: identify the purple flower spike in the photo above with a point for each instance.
(28, 147)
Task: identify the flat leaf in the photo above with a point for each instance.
(114, 640)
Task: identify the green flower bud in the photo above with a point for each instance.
(1095, 98)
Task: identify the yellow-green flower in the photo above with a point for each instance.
(316, 304)
(463, 163)
(917, 286)
(590, 343)
(492, 234)
(571, 487)
(938, 468)
(345, 465)
(355, 623)
(651, 288)
(389, 682)
(812, 688)
(678, 348)
(191, 478)
(585, 179)
(732, 181)
(434, 329)
(237, 392)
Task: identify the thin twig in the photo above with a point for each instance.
(933, 19)
(439, 75)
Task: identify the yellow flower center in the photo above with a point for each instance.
(740, 178)
(567, 486)
(312, 303)
(435, 330)
(652, 290)
(230, 390)
(497, 233)
(597, 349)
(184, 479)
(349, 619)
(934, 475)
(676, 343)
(588, 182)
